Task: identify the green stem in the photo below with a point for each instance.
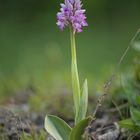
(75, 76)
(73, 47)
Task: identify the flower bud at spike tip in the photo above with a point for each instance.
(71, 14)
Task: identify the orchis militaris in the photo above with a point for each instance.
(71, 14)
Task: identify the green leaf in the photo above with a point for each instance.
(56, 127)
(76, 87)
(135, 115)
(75, 76)
(79, 129)
(83, 103)
(129, 124)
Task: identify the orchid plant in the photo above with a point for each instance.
(72, 15)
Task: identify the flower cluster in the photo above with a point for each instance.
(71, 13)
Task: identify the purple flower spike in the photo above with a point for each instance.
(71, 13)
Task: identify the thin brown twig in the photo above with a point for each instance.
(108, 83)
(112, 110)
(118, 109)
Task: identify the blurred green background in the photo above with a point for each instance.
(33, 51)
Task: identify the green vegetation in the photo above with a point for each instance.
(35, 57)
(32, 50)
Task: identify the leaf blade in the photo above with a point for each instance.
(129, 124)
(83, 103)
(78, 130)
(57, 127)
(75, 76)
(135, 115)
